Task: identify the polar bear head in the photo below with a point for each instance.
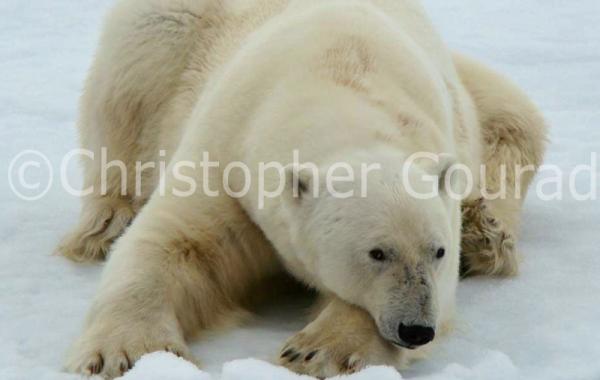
(385, 250)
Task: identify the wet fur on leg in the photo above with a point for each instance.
(102, 221)
(487, 247)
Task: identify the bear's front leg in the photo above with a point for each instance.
(185, 265)
(135, 312)
(343, 339)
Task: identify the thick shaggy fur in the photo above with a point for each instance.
(251, 81)
(514, 136)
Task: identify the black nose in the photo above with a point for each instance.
(416, 335)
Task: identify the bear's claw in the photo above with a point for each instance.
(101, 351)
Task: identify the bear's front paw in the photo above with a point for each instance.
(325, 351)
(110, 351)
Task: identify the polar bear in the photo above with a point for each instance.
(366, 83)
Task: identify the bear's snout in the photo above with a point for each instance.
(415, 335)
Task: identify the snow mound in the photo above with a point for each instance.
(252, 369)
(166, 366)
(493, 365)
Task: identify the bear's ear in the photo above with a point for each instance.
(450, 180)
(300, 183)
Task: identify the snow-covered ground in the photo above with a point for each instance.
(542, 325)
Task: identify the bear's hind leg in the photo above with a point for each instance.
(487, 246)
(513, 138)
(125, 108)
(101, 222)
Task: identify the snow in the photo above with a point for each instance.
(541, 325)
(166, 366)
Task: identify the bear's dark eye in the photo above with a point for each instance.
(440, 253)
(377, 255)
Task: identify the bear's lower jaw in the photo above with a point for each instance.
(404, 345)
